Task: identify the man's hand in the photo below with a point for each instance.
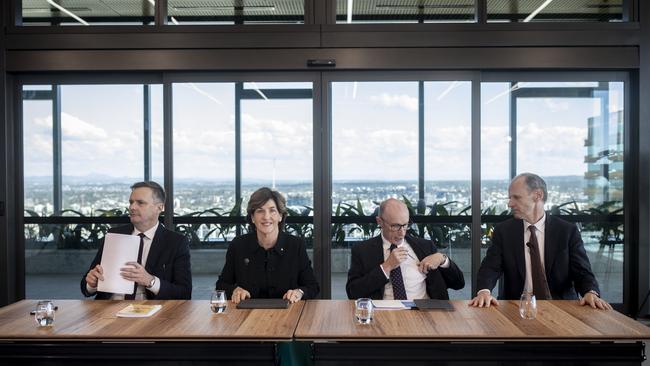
(432, 262)
(595, 302)
(397, 256)
(239, 294)
(293, 295)
(483, 299)
(94, 275)
(136, 273)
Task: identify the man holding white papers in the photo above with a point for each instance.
(396, 266)
(164, 269)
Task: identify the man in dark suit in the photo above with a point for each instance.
(164, 272)
(536, 253)
(396, 266)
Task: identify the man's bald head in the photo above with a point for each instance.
(393, 213)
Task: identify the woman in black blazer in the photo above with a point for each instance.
(267, 262)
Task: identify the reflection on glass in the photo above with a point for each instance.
(102, 151)
(571, 134)
(218, 12)
(37, 152)
(157, 146)
(277, 146)
(204, 149)
(557, 11)
(399, 11)
(84, 13)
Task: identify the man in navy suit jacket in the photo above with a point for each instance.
(426, 272)
(562, 254)
(165, 270)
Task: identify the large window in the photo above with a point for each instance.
(143, 12)
(399, 11)
(231, 138)
(84, 145)
(558, 11)
(217, 12)
(572, 134)
(88, 12)
(415, 146)
(408, 136)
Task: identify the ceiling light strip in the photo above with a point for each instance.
(350, 3)
(534, 13)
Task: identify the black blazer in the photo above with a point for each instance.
(268, 274)
(366, 279)
(565, 260)
(168, 259)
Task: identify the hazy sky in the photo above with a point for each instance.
(374, 132)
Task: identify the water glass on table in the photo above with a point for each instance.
(528, 306)
(44, 313)
(363, 310)
(218, 302)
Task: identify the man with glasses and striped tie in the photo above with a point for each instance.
(397, 266)
(536, 253)
(162, 270)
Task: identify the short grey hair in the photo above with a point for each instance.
(534, 181)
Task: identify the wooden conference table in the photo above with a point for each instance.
(181, 331)
(188, 331)
(563, 331)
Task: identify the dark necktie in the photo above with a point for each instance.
(540, 285)
(397, 281)
(135, 284)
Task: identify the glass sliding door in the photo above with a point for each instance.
(573, 135)
(83, 147)
(409, 140)
(231, 138)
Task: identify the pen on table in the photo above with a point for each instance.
(33, 312)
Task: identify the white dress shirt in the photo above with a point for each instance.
(414, 280)
(540, 229)
(140, 293)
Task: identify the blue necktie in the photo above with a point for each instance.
(396, 279)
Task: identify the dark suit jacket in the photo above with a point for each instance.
(168, 259)
(268, 274)
(565, 260)
(366, 279)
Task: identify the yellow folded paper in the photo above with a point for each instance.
(138, 311)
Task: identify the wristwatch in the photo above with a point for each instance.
(153, 282)
(444, 259)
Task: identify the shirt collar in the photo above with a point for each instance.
(386, 244)
(149, 233)
(539, 225)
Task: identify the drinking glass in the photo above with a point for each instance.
(363, 309)
(528, 306)
(218, 302)
(44, 313)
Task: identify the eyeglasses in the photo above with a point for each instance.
(397, 227)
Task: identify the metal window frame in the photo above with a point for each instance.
(322, 128)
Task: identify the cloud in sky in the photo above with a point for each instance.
(385, 154)
(86, 147)
(396, 100)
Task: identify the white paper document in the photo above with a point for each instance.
(389, 305)
(118, 249)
